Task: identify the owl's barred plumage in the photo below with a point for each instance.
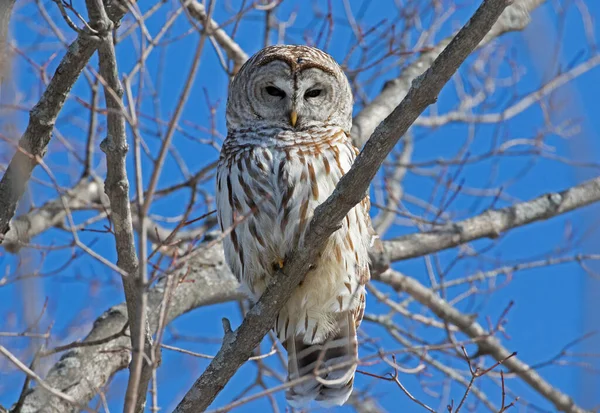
(275, 169)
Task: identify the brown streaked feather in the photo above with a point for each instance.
(314, 185)
(255, 233)
(326, 165)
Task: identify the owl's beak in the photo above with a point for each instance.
(293, 118)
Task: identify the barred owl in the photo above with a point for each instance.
(289, 113)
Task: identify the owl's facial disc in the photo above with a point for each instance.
(297, 97)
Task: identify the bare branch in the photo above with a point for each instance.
(232, 49)
(39, 380)
(41, 121)
(487, 343)
(515, 17)
(492, 223)
(517, 108)
(23, 228)
(83, 370)
(6, 7)
(117, 188)
(433, 362)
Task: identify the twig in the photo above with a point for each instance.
(504, 407)
(475, 373)
(166, 141)
(232, 49)
(395, 379)
(487, 343)
(78, 344)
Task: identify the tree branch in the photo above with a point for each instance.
(117, 188)
(23, 228)
(82, 371)
(492, 223)
(38, 379)
(351, 189)
(486, 342)
(214, 31)
(42, 117)
(517, 108)
(6, 7)
(515, 17)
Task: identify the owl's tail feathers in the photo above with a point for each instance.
(338, 353)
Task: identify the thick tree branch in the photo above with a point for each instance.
(492, 223)
(82, 371)
(42, 117)
(31, 374)
(117, 188)
(351, 189)
(87, 194)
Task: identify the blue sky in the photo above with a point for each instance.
(552, 304)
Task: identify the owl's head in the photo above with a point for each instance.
(290, 87)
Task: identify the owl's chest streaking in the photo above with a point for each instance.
(267, 190)
(269, 185)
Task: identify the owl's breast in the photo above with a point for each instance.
(266, 196)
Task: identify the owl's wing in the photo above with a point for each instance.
(225, 214)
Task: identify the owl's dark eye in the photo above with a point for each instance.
(312, 93)
(273, 91)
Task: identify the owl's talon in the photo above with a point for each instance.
(278, 264)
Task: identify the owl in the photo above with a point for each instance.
(289, 114)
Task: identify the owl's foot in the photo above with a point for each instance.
(278, 264)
